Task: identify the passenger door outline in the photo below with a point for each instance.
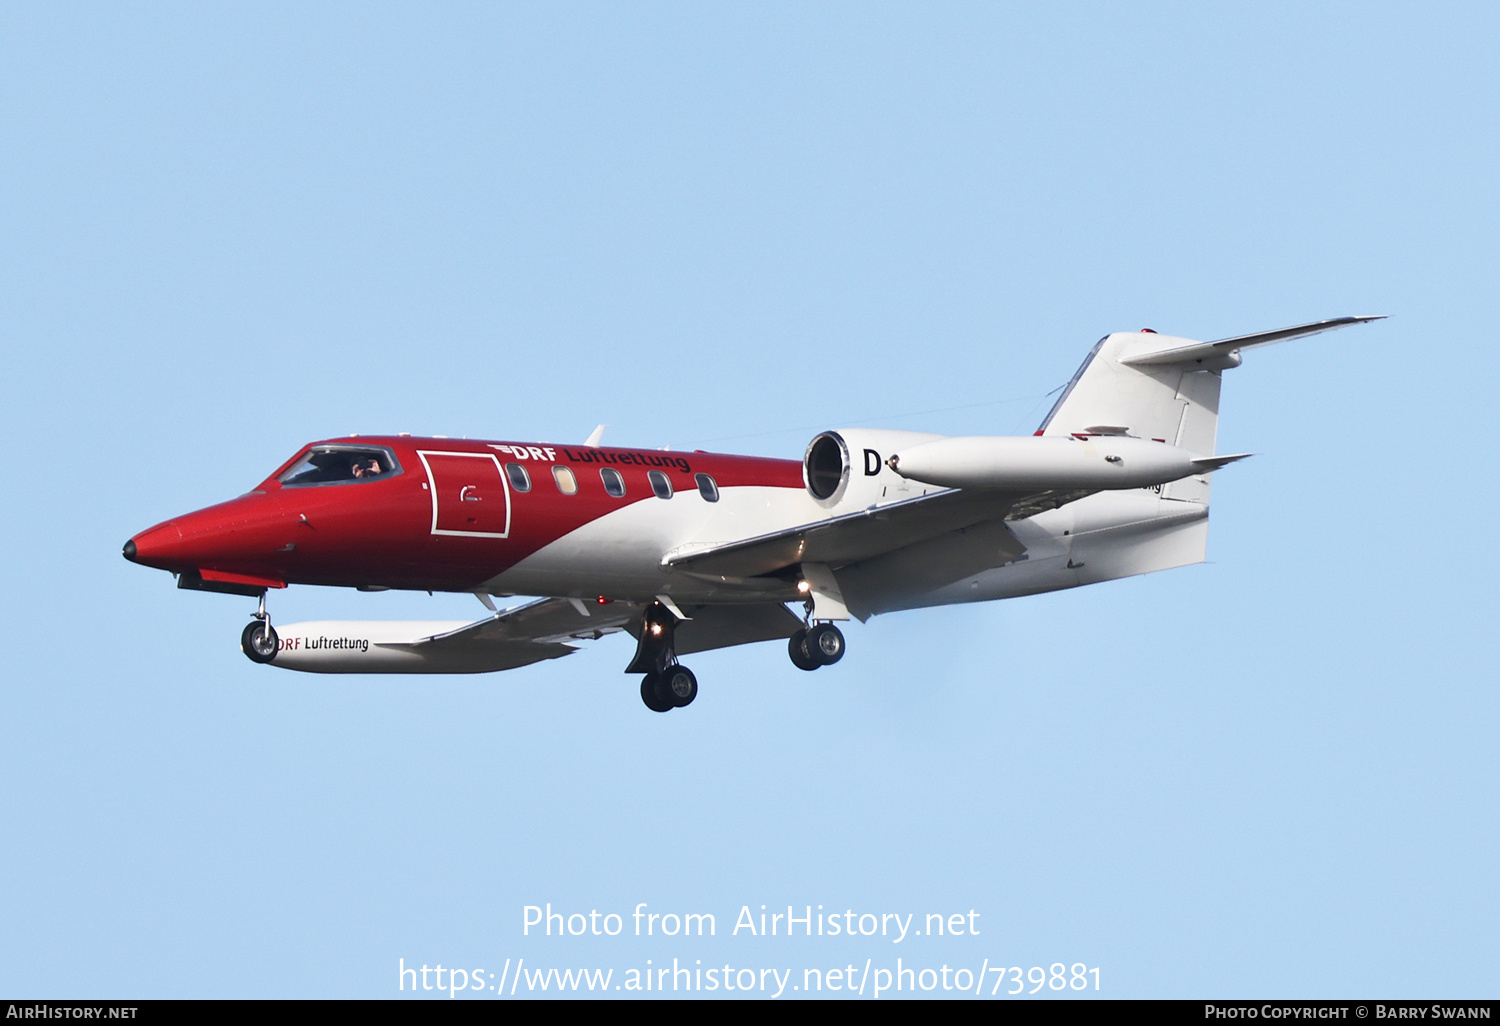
(455, 478)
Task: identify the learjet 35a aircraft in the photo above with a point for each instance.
(690, 551)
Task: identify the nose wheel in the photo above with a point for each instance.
(819, 645)
(258, 640)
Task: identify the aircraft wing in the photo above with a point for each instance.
(547, 623)
(867, 533)
(553, 626)
(548, 628)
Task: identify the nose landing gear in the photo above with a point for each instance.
(258, 640)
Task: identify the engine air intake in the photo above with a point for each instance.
(824, 466)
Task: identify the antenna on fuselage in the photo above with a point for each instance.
(595, 438)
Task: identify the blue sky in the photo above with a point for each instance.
(227, 230)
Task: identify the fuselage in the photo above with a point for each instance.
(602, 524)
(445, 514)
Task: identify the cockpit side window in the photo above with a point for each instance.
(341, 464)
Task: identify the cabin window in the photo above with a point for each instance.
(614, 483)
(566, 482)
(707, 487)
(660, 484)
(340, 464)
(520, 481)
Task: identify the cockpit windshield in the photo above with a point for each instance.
(341, 464)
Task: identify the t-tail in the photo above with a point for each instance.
(1150, 386)
(1164, 388)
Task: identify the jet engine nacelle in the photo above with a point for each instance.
(1032, 462)
(847, 468)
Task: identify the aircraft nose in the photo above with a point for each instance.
(156, 546)
(242, 533)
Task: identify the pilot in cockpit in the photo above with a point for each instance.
(366, 468)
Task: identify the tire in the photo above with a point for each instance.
(801, 658)
(825, 643)
(677, 685)
(650, 697)
(259, 641)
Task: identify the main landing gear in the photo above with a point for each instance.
(821, 644)
(671, 689)
(668, 684)
(258, 640)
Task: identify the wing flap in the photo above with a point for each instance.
(867, 533)
(548, 621)
(551, 628)
(834, 541)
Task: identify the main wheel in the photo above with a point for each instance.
(796, 647)
(676, 684)
(259, 641)
(651, 696)
(825, 643)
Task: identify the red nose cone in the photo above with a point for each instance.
(239, 536)
(159, 546)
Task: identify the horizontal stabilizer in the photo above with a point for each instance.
(1194, 352)
(1211, 463)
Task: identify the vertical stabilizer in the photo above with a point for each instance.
(1177, 403)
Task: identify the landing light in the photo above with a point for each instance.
(803, 587)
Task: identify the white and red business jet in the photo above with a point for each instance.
(695, 551)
